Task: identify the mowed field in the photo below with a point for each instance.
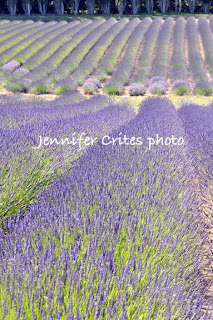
(106, 199)
(124, 57)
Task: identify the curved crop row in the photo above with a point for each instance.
(159, 72)
(121, 75)
(197, 67)
(207, 40)
(211, 22)
(86, 67)
(73, 60)
(10, 27)
(11, 32)
(16, 115)
(40, 31)
(50, 64)
(146, 57)
(37, 45)
(198, 123)
(109, 61)
(118, 238)
(4, 22)
(27, 31)
(179, 73)
(25, 171)
(59, 40)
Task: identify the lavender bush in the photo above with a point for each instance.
(96, 81)
(90, 88)
(180, 87)
(158, 87)
(10, 66)
(137, 89)
(21, 71)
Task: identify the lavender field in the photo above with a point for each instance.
(116, 57)
(106, 208)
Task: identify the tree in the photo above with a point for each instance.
(105, 6)
(206, 4)
(42, 6)
(12, 5)
(178, 6)
(135, 6)
(164, 5)
(90, 6)
(191, 5)
(27, 6)
(59, 7)
(120, 5)
(75, 6)
(149, 6)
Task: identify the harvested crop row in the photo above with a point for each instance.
(145, 60)
(80, 52)
(109, 61)
(60, 39)
(211, 22)
(32, 49)
(179, 73)
(49, 65)
(119, 237)
(158, 84)
(11, 31)
(10, 26)
(197, 67)
(207, 40)
(27, 31)
(121, 75)
(40, 31)
(25, 171)
(86, 67)
(4, 22)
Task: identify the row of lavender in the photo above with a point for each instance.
(198, 124)
(118, 237)
(146, 56)
(25, 171)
